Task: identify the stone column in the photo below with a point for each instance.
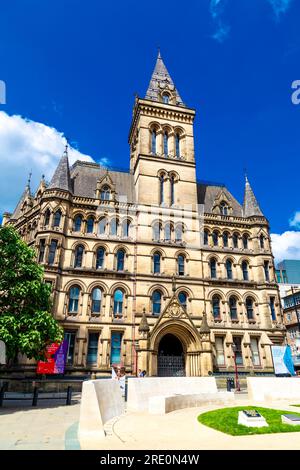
(206, 354)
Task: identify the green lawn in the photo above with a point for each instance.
(226, 420)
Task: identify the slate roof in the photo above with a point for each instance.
(251, 206)
(207, 195)
(159, 80)
(17, 212)
(61, 178)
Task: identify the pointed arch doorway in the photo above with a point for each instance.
(171, 357)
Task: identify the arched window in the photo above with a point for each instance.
(102, 226)
(245, 271)
(225, 239)
(229, 269)
(249, 308)
(205, 237)
(215, 237)
(126, 228)
(96, 300)
(114, 224)
(105, 193)
(223, 208)
(182, 298)
(235, 240)
(156, 263)
(161, 189)
(100, 258)
(177, 145)
(262, 241)
(245, 241)
(156, 302)
(118, 302)
(233, 308)
(153, 141)
(213, 268)
(166, 139)
(178, 233)
(90, 225)
(216, 306)
(57, 218)
(180, 265)
(77, 223)
(120, 260)
(74, 294)
(166, 98)
(168, 230)
(172, 188)
(79, 250)
(156, 231)
(47, 217)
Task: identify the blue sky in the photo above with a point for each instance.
(72, 67)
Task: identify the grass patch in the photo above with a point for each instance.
(226, 420)
(295, 405)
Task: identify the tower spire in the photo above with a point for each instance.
(160, 81)
(251, 206)
(61, 178)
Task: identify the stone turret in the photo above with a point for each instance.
(251, 206)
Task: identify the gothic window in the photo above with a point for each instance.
(102, 226)
(215, 237)
(178, 233)
(79, 250)
(205, 237)
(118, 302)
(245, 241)
(267, 271)
(47, 217)
(235, 240)
(233, 308)
(182, 298)
(156, 263)
(272, 308)
(153, 141)
(245, 271)
(74, 294)
(166, 139)
(216, 306)
(100, 258)
(52, 251)
(57, 218)
(180, 265)
(249, 308)
(105, 193)
(90, 225)
(177, 145)
(223, 208)
(156, 231)
(126, 228)
(229, 269)
(120, 260)
(225, 239)
(42, 250)
(172, 184)
(96, 300)
(77, 223)
(156, 302)
(161, 189)
(166, 98)
(213, 268)
(114, 224)
(168, 230)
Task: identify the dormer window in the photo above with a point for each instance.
(105, 193)
(223, 208)
(166, 98)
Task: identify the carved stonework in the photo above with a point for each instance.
(175, 310)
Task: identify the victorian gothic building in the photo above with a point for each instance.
(149, 268)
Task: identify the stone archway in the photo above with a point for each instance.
(171, 357)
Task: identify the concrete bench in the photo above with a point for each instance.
(162, 404)
(273, 388)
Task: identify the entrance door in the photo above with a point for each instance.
(170, 359)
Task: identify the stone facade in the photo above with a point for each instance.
(152, 257)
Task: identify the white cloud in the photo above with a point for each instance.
(286, 245)
(216, 10)
(280, 6)
(295, 221)
(26, 146)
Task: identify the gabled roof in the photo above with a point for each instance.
(251, 206)
(208, 193)
(161, 79)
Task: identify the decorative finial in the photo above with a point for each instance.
(246, 177)
(43, 177)
(66, 149)
(29, 179)
(158, 48)
(173, 283)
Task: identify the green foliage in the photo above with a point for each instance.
(26, 326)
(226, 420)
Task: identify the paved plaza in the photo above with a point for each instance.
(55, 427)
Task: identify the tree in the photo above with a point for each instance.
(26, 326)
